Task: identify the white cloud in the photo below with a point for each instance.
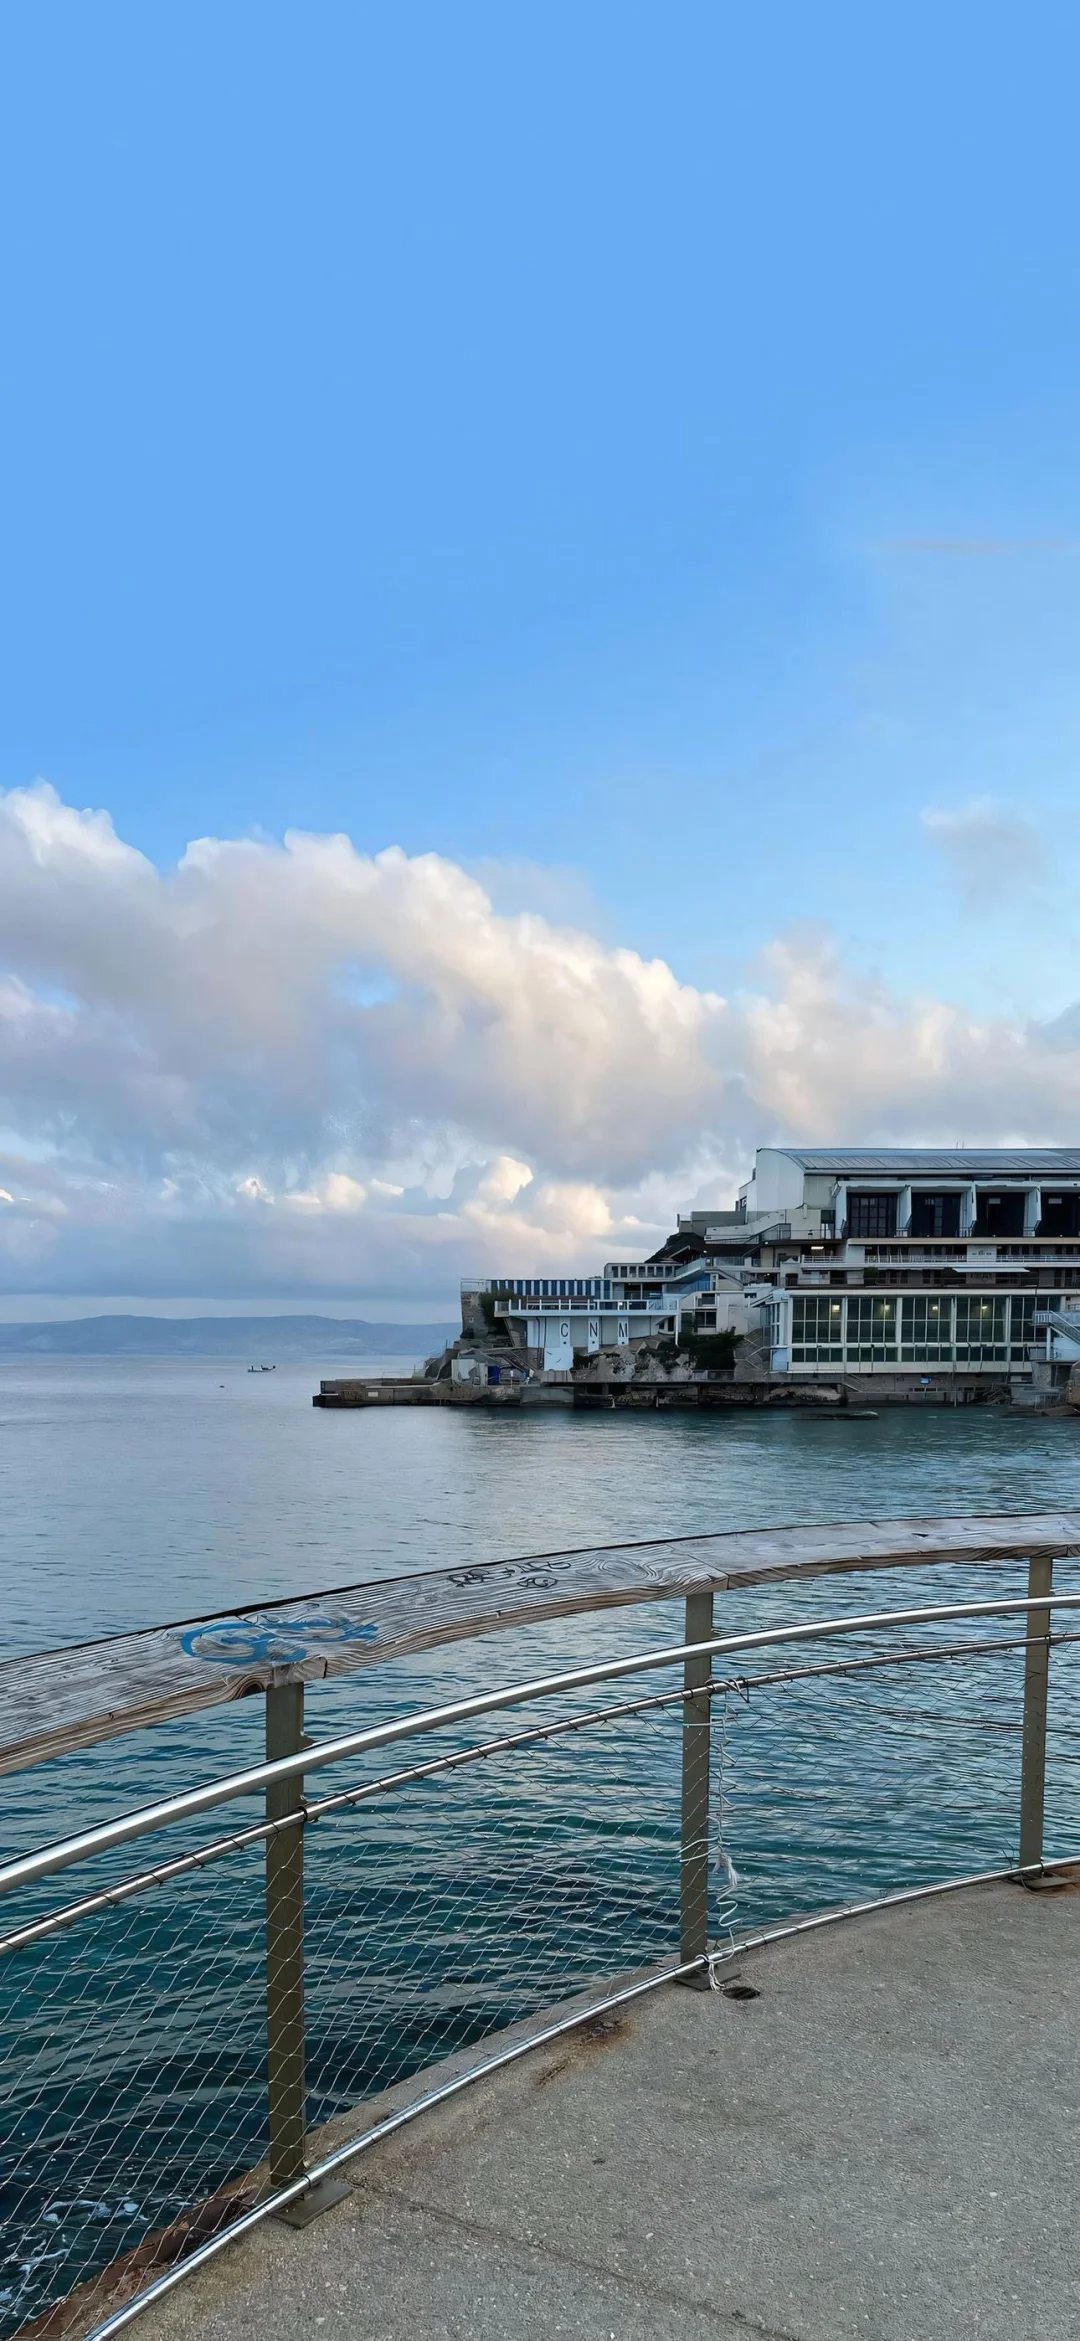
(992, 853)
(300, 1068)
(504, 1181)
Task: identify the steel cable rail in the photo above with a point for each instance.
(291, 1769)
(289, 1818)
(316, 1809)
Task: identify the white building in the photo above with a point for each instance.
(904, 1262)
(559, 1318)
(915, 1260)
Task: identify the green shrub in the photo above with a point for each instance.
(712, 1353)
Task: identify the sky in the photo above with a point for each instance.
(540, 573)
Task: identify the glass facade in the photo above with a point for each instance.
(915, 1329)
(981, 1329)
(927, 1337)
(1022, 1332)
(553, 1288)
(817, 1330)
(871, 1330)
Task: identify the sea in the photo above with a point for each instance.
(137, 1492)
(133, 1493)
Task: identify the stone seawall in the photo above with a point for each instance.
(389, 1390)
(780, 1393)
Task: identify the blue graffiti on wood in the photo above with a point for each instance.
(280, 1641)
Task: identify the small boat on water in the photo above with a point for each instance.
(262, 1369)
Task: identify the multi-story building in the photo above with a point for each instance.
(841, 1261)
(917, 1261)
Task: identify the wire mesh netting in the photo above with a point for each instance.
(133, 2067)
(542, 1871)
(445, 1904)
(132, 2076)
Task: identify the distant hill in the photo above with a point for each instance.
(261, 1340)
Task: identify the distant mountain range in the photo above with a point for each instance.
(261, 1340)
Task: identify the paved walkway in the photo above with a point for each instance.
(884, 2142)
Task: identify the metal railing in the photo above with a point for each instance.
(183, 2047)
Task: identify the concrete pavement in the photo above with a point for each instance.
(883, 2143)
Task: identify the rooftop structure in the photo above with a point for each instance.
(920, 1162)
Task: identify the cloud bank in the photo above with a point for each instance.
(299, 1069)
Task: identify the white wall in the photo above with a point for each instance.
(559, 1344)
(777, 1183)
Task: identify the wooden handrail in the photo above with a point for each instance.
(59, 1700)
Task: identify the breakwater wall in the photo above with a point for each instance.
(651, 1396)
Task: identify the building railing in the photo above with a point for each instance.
(515, 1305)
(184, 2046)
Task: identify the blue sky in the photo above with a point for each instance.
(632, 455)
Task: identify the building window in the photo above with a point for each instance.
(926, 1336)
(817, 1330)
(981, 1329)
(935, 1215)
(872, 1215)
(1022, 1332)
(998, 1215)
(1059, 1215)
(871, 1329)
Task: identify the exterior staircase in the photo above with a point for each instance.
(1064, 1328)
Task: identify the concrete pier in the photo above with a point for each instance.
(397, 1390)
(655, 1393)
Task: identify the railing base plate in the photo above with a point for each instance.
(321, 2197)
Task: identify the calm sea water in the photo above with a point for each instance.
(132, 2047)
(137, 1492)
(134, 1493)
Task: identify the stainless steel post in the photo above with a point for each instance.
(285, 2081)
(1036, 1689)
(285, 1941)
(694, 1871)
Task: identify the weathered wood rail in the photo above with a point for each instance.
(71, 1698)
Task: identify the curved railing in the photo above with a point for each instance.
(185, 2045)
